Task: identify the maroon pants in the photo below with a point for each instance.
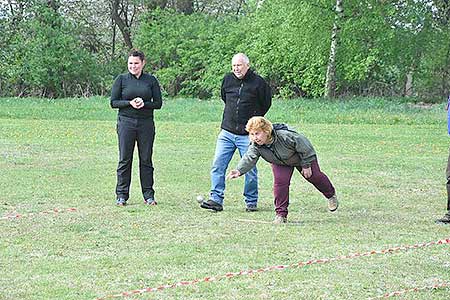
(282, 179)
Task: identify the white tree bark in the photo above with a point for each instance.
(330, 83)
(408, 92)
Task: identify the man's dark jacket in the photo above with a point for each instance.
(244, 98)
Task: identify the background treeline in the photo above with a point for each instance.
(304, 48)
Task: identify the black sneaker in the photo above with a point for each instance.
(150, 201)
(445, 219)
(211, 205)
(121, 202)
(251, 207)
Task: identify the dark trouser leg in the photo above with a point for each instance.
(448, 182)
(126, 132)
(145, 139)
(320, 180)
(446, 218)
(281, 181)
(448, 195)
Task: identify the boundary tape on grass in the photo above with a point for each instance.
(416, 289)
(271, 268)
(54, 211)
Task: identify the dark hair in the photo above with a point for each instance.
(137, 53)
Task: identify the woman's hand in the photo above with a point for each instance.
(306, 172)
(233, 174)
(137, 103)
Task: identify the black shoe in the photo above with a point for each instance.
(150, 201)
(251, 208)
(445, 219)
(211, 205)
(121, 202)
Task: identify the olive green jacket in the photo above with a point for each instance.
(289, 148)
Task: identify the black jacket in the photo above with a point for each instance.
(244, 98)
(126, 87)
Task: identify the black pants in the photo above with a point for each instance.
(130, 131)
(448, 182)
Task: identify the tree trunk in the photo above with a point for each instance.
(153, 4)
(53, 5)
(239, 7)
(124, 27)
(330, 83)
(113, 46)
(408, 84)
(185, 6)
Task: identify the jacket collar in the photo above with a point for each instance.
(140, 77)
(274, 139)
(247, 75)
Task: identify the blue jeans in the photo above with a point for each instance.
(226, 145)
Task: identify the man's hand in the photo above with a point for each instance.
(233, 174)
(306, 172)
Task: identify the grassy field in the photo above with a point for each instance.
(386, 159)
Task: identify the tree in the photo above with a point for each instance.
(185, 6)
(330, 83)
(123, 14)
(48, 59)
(377, 48)
(185, 49)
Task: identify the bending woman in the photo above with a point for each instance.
(286, 150)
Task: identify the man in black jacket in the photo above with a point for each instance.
(245, 95)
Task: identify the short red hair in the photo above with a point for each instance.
(259, 123)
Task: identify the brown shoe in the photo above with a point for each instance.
(333, 203)
(279, 220)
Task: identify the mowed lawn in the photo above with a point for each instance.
(386, 159)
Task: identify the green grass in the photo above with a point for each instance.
(386, 161)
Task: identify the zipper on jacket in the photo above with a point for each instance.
(274, 151)
(277, 155)
(237, 105)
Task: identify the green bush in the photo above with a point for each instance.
(288, 41)
(188, 53)
(49, 60)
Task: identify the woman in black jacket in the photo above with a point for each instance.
(136, 94)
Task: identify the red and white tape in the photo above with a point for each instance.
(47, 212)
(417, 289)
(271, 268)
